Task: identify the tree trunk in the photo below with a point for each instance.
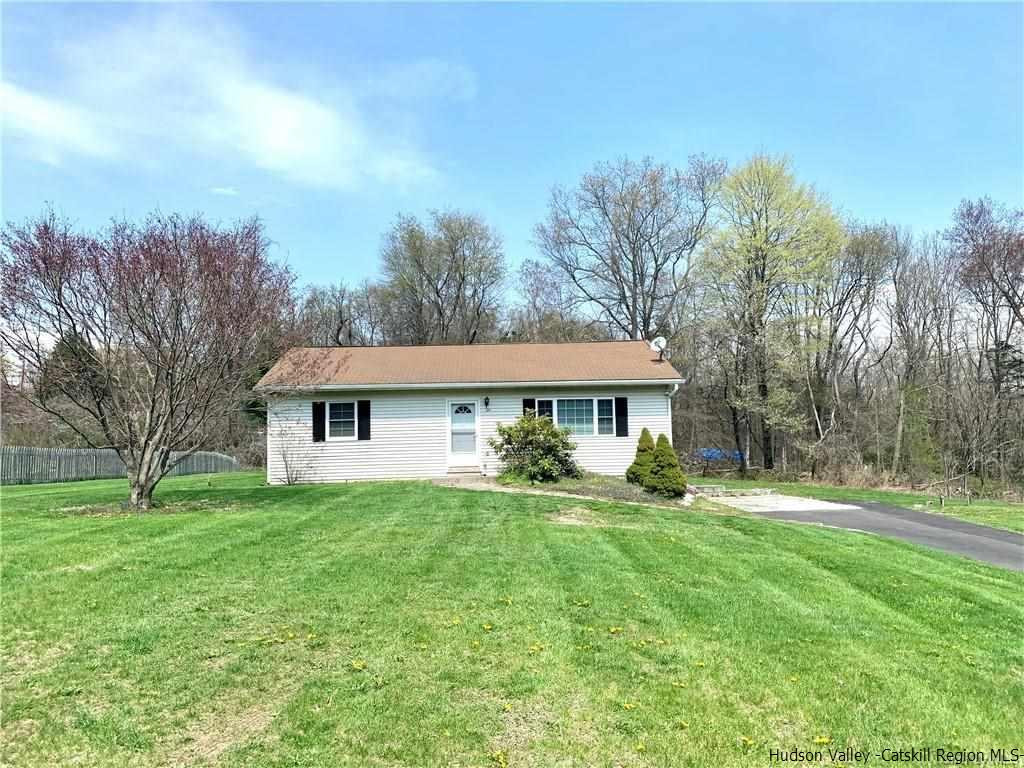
(142, 494)
(898, 442)
(768, 444)
(746, 446)
(144, 472)
(737, 434)
(767, 437)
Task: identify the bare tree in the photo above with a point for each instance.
(324, 316)
(340, 316)
(141, 338)
(914, 311)
(626, 235)
(832, 320)
(988, 240)
(442, 285)
(547, 309)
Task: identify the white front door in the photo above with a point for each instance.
(462, 440)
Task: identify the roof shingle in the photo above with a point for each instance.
(324, 367)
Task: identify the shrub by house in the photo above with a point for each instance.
(535, 449)
(641, 466)
(666, 478)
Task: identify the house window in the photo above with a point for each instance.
(546, 408)
(577, 415)
(606, 416)
(341, 420)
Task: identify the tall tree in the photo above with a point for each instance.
(625, 236)
(914, 308)
(777, 234)
(143, 337)
(831, 320)
(442, 284)
(988, 240)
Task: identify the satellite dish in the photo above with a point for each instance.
(659, 344)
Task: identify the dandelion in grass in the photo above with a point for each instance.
(456, 621)
(746, 741)
(641, 747)
(793, 679)
(536, 648)
(508, 707)
(499, 758)
(615, 630)
(683, 724)
(822, 740)
(358, 664)
(699, 664)
(629, 705)
(488, 627)
(678, 684)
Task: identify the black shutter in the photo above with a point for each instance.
(319, 421)
(622, 417)
(363, 410)
(529, 404)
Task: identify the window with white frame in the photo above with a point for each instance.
(577, 415)
(606, 416)
(580, 415)
(341, 421)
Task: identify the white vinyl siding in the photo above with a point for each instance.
(410, 432)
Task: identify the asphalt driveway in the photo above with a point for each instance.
(990, 545)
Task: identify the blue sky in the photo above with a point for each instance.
(328, 120)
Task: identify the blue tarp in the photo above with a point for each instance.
(717, 454)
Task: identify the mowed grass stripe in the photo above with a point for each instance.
(405, 624)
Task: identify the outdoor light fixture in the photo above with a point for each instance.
(487, 402)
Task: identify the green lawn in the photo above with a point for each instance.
(605, 487)
(1000, 514)
(403, 624)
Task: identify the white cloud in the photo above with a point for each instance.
(224, 191)
(50, 125)
(185, 83)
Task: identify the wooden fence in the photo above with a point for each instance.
(20, 464)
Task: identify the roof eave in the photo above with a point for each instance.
(292, 389)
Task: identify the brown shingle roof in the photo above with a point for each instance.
(316, 367)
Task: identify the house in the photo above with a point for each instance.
(359, 413)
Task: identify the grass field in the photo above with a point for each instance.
(402, 624)
(1000, 514)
